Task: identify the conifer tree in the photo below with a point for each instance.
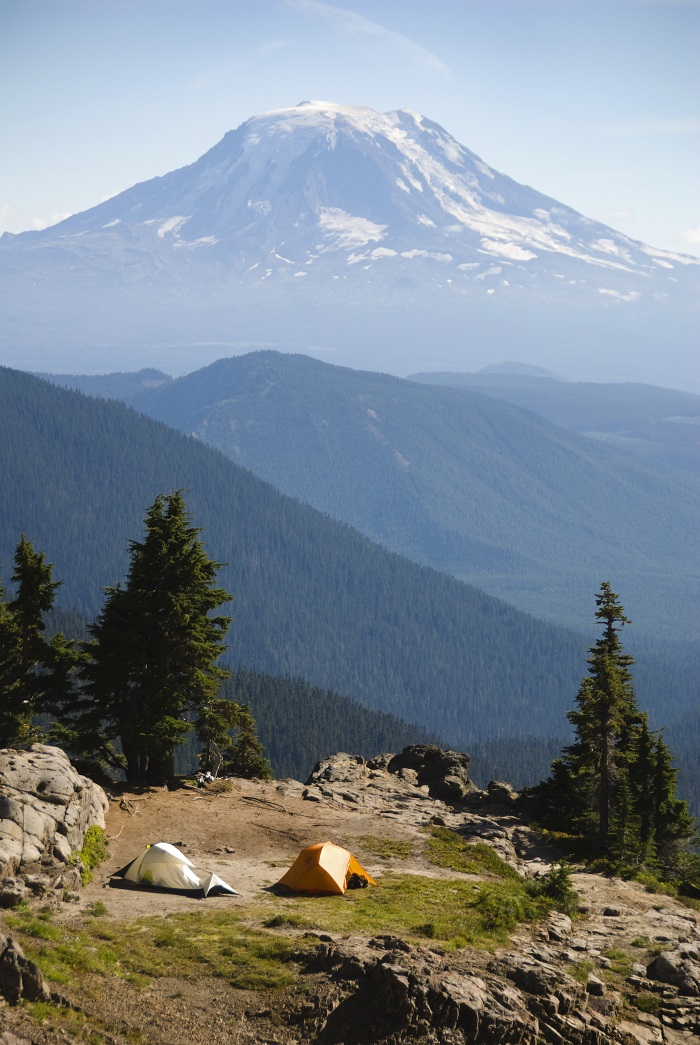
(154, 650)
(14, 721)
(35, 673)
(216, 719)
(606, 709)
(673, 825)
(246, 758)
(615, 783)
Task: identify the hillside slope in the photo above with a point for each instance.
(658, 424)
(468, 484)
(313, 599)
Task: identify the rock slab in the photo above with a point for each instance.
(46, 809)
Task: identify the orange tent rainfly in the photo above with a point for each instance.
(325, 868)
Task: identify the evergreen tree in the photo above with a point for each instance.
(35, 673)
(673, 825)
(245, 758)
(591, 772)
(213, 727)
(153, 656)
(615, 783)
(14, 720)
(641, 773)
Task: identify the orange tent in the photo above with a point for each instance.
(325, 868)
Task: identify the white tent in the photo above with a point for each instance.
(163, 865)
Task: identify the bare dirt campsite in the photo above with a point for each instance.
(425, 955)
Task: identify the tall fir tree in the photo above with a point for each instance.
(615, 784)
(35, 673)
(155, 646)
(673, 826)
(606, 709)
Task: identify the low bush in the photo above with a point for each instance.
(93, 852)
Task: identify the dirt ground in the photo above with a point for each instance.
(248, 835)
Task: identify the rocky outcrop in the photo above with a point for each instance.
(20, 979)
(422, 786)
(421, 771)
(388, 990)
(679, 968)
(444, 773)
(46, 808)
(590, 980)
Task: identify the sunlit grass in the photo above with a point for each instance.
(383, 848)
(451, 912)
(256, 945)
(186, 945)
(449, 849)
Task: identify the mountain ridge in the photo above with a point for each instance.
(461, 481)
(313, 598)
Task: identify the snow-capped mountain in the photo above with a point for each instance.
(376, 238)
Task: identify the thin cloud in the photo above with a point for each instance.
(214, 76)
(620, 215)
(348, 22)
(682, 125)
(16, 219)
(691, 236)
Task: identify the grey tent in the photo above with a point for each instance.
(163, 866)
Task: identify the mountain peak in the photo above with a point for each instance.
(355, 228)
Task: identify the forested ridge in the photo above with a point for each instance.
(658, 424)
(313, 600)
(467, 483)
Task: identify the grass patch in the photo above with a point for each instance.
(190, 945)
(184, 945)
(454, 912)
(581, 971)
(36, 925)
(620, 962)
(97, 909)
(384, 848)
(650, 1003)
(641, 941)
(450, 850)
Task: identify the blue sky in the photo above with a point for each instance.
(595, 103)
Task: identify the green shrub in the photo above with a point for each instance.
(501, 907)
(556, 888)
(92, 854)
(648, 1003)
